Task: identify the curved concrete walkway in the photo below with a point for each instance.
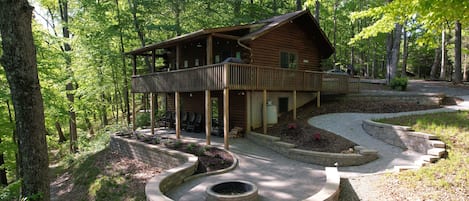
(277, 177)
(349, 125)
(280, 178)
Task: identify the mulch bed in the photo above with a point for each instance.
(210, 158)
(306, 137)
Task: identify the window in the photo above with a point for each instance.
(238, 55)
(288, 60)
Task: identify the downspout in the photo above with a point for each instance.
(245, 47)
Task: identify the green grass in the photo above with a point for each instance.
(447, 176)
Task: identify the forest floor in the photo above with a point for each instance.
(101, 176)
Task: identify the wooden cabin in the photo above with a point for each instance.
(239, 68)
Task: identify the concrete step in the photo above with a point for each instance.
(439, 152)
(421, 163)
(437, 144)
(401, 168)
(430, 158)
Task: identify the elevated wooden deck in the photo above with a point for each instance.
(240, 77)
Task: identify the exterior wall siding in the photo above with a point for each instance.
(290, 38)
(256, 103)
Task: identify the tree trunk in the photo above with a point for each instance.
(443, 56)
(103, 110)
(394, 54)
(63, 5)
(15, 139)
(457, 76)
(125, 88)
(436, 64)
(299, 5)
(19, 62)
(58, 127)
(405, 53)
(388, 56)
(335, 35)
(89, 125)
(465, 69)
(3, 172)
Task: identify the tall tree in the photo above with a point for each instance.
(436, 63)
(63, 6)
(299, 5)
(3, 172)
(444, 56)
(19, 62)
(457, 76)
(405, 51)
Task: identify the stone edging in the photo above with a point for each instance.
(363, 156)
(401, 96)
(401, 136)
(406, 138)
(182, 165)
(330, 191)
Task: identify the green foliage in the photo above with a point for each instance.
(445, 177)
(143, 119)
(11, 192)
(399, 83)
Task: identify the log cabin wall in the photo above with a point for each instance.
(290, 38)
(238, 114)
(194, 103)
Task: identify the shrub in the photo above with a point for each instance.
(399, 83)
(143, 119)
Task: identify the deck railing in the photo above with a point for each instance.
(238, 77)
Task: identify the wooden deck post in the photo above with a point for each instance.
(208, 116)
(178, 114)
(264, 110)
(294, 104)
(152, 112)
(134, 113)
(318, 103)
(226, 116)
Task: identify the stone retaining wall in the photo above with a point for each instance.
(183, 165)
(400, 136)
(320, 158)
(331, 190)
(419, 98)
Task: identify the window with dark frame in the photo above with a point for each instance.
(288, 60)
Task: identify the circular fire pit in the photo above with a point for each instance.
(232, 190)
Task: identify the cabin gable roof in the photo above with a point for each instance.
(254, 31)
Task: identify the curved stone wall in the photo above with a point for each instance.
(362, 156)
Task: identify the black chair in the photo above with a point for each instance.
(191, 122)
(165, 120)
(198, 123)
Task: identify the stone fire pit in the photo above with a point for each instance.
(236, 190)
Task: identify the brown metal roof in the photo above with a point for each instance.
(263, 27)
(189, 36)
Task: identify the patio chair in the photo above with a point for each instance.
(198, 124)
(165, 120)
(191, 122)
(183, 117)
(190, 119)
(172, 120)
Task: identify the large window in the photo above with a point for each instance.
(288, 60)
